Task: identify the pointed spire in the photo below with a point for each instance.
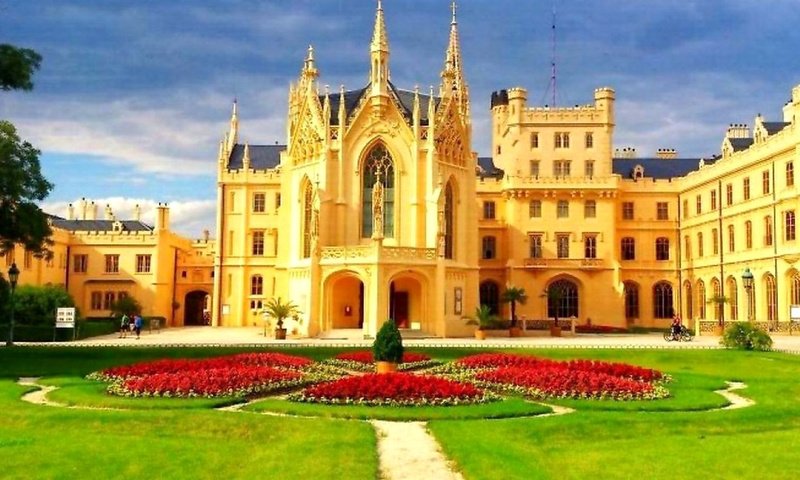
(380, 41)
(453, 75)
(246, 157)
(233, 133)
(342, 111)
(379, 55)
(309, 65)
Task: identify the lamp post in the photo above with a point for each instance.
(13, 276)
(747, 281)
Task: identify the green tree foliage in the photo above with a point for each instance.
(17, 66)
(126, 306)
(37, 305)
(513, 296)
(483, 318)
(280, 310)
(21, 182)
(5, 290)
(388, 345)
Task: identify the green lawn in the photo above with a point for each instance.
(167, 438)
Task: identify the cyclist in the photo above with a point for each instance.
(676, 326)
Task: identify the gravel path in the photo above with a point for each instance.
(737, 401)
(407, 451)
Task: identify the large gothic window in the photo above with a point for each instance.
(701, 299)
(662, 300)
(490, 296)
(772, 298)
(449, 218)
(307, 206)
(631, 300)
(562, 299)
(733, 299)
(378, 164)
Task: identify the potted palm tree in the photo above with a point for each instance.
(280, 311)
(554, 295)
(387, 349)
(484, 319)
(514, 295)
(718, 301)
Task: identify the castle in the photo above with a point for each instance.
(376, 207)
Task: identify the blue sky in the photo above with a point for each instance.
(132, 97)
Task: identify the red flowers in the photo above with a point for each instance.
(393, 389)
(364, 361)
(366, 356)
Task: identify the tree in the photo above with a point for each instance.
(126, 306)
(35, 305)
(483, 318)
(280, 310)
(388, 344)
(17, 66)
(514, 295)
(22, 182)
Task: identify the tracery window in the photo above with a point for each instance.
(378, 164)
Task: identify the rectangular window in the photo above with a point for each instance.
(789, 174)
(765, 182)
(627, 210)
(700, 244)
(536, 245)
(488, 210)
(698, 207)
(746, 188)
(714, 241)
(562, 245)
(662, 210)
(731, 238)
(277, 202)
(259, 202)
(143, 263)
(590, 246)
(685, 208)
(588, 168)
(112, 263)
(563, 209)
(768, 230)
(97, 301)
(561, 139)
(80, 263)
(590, 209)
(535, 140)
(662, 248)
(108, 300)
(535, 168)
(589, 140)
(628, 248)
(789, 225)
(729, 194)
(561, 168)
(713, 200)
(258, 243)
(489, 248)
(535, 209)
(9, 257)
(748, 234)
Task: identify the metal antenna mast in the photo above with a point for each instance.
(553, 82)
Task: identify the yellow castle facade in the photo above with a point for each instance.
(377, 207)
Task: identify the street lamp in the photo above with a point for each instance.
(13, 276)
(747, 281)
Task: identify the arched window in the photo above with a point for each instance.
(662, 300)
(490, 296)
(733, 299)
(662, 249)
(701, 299)
(687, 287)
(307, 206)
(256, 285)
(795, 290)
(378, 164)
(562, 299)
(772, 298)
(628, 248)
(716, 294)
(449, 220)
(631, 300)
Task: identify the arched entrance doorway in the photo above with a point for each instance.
(405, 302)
(562, 299)
(346, 302)
(195, 308)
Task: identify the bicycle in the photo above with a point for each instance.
(685, 335)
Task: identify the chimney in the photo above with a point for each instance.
(738, 130)
(666, 153)
(162, 216)
(82, 209)
(137, 213)
(91, 211)
(625, 152)
(70, 212)
(206, 234)
(109, 215)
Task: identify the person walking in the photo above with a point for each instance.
(123, 326)
(137, 325)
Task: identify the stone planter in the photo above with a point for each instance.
(555, 331)
(480, 334)
(280, 334)
(514, 332)
(385, 367)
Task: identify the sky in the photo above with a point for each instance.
(133, 97)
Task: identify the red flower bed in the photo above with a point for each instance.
(183, 365)
(366, 356)
(564, 383)
(216, 382)
(393, 389)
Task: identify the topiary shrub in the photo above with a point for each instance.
(388, 345)
(746, 336)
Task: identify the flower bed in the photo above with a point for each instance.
(277, 360)
(397, 389)
(364, 361)
(216, 382)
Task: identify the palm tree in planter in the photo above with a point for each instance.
(280, 311)
(387, 349)
(514, 295)
(484, 319)
(555, 295)
(719, 302)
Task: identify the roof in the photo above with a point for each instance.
(99, 225)
(774, 127)
(739, 144)
(661, 168)
(262, 157)
(486, 168)
(404, 97)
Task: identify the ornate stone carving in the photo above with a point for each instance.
(377, 209)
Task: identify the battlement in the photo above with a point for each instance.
(666, 153)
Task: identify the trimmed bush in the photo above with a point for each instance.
(746, 336)
(388, 345)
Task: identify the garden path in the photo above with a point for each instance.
(407, 451)
(737, 401)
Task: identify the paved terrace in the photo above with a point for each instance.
(254, 336)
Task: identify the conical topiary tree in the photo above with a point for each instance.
(388, 345)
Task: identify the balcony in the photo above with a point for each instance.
(588, 264)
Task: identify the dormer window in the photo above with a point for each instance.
(116, 226)
(638, 172)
